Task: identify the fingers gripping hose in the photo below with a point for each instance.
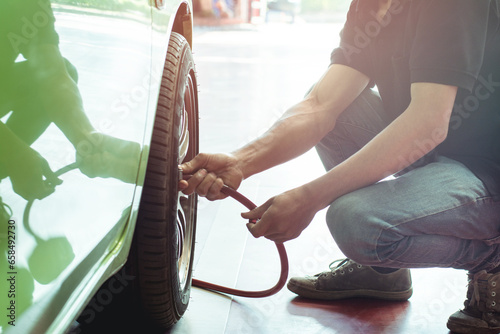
(242, 293)
(202, 284)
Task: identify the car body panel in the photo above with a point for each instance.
(68, 243)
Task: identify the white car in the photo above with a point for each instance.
(98, 106)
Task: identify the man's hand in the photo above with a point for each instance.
(210, 172)
(283, 217)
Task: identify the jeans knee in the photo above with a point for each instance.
(353, 228)
(354, 128)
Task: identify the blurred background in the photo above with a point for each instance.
(258, 11)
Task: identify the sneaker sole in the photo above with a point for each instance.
(345, 294)
(459, 327)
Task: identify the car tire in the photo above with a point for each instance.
(158, 272)
(163, 248)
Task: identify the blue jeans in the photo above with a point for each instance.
(436, 215)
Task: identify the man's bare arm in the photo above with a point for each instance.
(422, 127)
(303, 125)
(299, 129)
(417, 131)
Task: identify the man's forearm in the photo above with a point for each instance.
(305, 124)
(292, 135)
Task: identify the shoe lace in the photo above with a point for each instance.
(337, 264)
(474, 285)
(477, 283)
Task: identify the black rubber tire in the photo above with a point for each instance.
(151, 295)
(157, 243)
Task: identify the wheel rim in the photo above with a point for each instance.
(186, 205)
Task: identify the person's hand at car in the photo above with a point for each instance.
(284, 216)
(279, 219)
(209, 173)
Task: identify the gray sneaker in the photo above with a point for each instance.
(481, 314)
(349, 279)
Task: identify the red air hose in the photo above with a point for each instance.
(242, 293)
(205, 285)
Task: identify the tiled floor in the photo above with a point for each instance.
(247, 77)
